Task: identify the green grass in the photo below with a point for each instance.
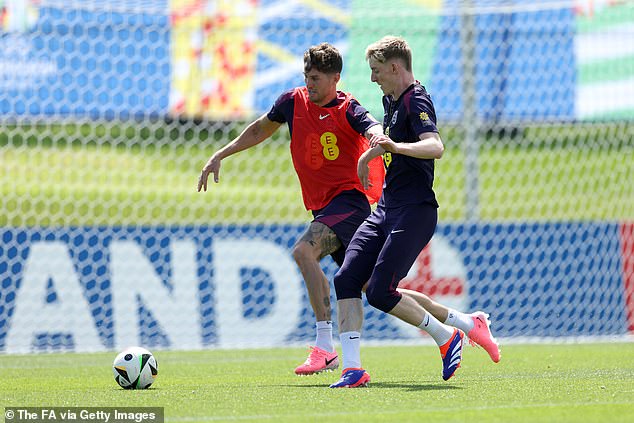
(49, 177)
(532, 383)
(87, 185)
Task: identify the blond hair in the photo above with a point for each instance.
(388, 48)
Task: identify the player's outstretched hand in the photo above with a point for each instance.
(212, 166)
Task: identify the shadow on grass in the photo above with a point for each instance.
(406, 386)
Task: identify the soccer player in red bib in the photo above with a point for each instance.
(386, 245)
(329, 132)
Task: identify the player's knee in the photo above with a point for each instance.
(380, 298)
(345, 287)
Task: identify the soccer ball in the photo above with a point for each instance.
(135, 368)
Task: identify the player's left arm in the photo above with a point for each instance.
(428, 146)
(422, 121)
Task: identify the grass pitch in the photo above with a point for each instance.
(532, 383)
(98, 175)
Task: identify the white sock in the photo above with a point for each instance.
(324, 336)
(459, 320)
(351, 350)
(440, 332)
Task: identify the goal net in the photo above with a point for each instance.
(109, 109)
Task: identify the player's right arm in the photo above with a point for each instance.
(255, 133)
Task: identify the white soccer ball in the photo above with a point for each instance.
(135, 368)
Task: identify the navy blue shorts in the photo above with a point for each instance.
(343, 215)
(383, 250)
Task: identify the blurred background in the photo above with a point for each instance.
(109, 109)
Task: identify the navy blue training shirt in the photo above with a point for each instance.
(408, 180)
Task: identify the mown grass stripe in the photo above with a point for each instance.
(533, 383)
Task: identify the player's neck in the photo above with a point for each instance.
(328, 99)
(403, 84)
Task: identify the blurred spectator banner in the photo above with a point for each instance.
(228, 60)
(92, 288)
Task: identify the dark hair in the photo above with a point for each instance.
(388, 48)
(323, 57)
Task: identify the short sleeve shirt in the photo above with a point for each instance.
(408, 180)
